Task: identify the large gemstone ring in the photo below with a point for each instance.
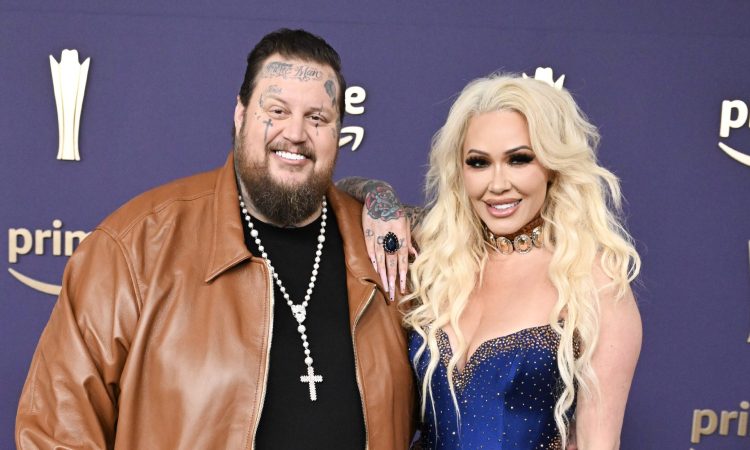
(390, 243)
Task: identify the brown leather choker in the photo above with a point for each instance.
(522, 241)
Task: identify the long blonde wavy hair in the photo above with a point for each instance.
(582, 227)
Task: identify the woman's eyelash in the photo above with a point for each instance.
(521, 158)
(475, 161)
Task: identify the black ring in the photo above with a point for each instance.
(390, 243)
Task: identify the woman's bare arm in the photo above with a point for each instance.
(599, 420)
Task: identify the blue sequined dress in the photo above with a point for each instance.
(506, 393)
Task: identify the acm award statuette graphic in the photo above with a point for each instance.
(545, 74)
(69, 80)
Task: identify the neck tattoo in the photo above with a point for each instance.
(522, 241)
(299, 311)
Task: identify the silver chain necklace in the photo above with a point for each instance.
(299, 311)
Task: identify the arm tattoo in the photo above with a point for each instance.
(354, 186)
(360, 188)
(382, 204)
(415, 214)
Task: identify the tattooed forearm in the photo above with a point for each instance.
(358, 187)
(378, 196)
(415, 214)
(382, 203)
(286, 71)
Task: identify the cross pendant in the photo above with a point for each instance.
(311, 379)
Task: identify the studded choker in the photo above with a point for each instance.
(522, 241)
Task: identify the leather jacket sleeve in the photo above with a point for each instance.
(70, 396)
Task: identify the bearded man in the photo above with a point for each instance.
(236, 308)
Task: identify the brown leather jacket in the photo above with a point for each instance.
(161, 335)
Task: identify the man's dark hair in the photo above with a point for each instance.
(297, 44)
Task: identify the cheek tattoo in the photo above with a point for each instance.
(269, 124)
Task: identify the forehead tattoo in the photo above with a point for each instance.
(287, 71)
(276, 69)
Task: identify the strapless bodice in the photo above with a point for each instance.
(506, 393)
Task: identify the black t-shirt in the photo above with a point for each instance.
(289, 418)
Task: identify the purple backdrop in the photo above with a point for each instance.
(161, 92)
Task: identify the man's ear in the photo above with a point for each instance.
(239, 115)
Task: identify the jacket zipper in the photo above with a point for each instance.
(268, 353)
(356, 365)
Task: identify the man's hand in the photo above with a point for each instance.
(383, 214)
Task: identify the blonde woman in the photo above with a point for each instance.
(525, 330)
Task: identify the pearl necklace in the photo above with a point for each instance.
(299, 311)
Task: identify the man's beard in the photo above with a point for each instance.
(284, 204)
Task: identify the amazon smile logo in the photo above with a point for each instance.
(54, 241)
(354, 99)
(734, 114)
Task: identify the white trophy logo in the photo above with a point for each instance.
(69, 80)
(545, 74)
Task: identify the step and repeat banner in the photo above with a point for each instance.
(100, 101)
